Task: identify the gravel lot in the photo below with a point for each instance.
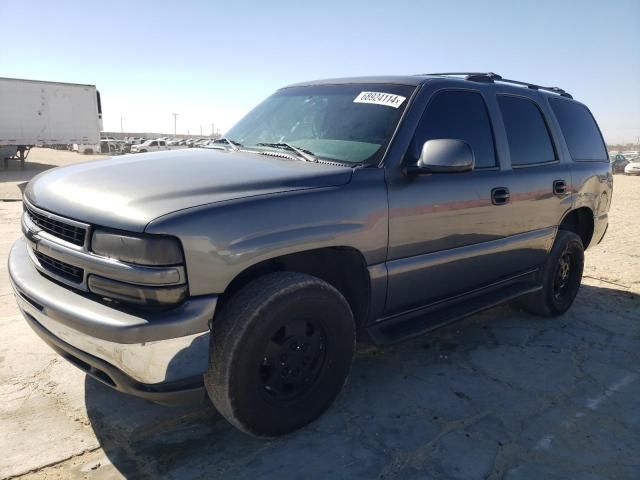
(502, 395)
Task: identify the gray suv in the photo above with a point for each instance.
(377, 208)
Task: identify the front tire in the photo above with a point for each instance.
(561, 277)
(280, 353)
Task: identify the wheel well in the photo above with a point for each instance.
(342, 267)
(579, 221)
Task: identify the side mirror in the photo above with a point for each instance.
(443, 156)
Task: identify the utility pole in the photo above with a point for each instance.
(121, 129)
(213, 130)
(175, 116)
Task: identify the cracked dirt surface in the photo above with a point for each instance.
(503, 395)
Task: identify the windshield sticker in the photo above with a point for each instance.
(380, 98)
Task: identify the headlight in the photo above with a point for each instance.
(153, 251)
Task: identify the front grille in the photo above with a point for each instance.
(62, 269)
(57, 228)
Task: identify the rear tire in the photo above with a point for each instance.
(280, 352)
(561, 277)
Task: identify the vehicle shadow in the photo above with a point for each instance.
(442, 405)
(14, 180)
(16, 174)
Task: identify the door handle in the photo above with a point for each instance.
(560, 187)
(500, 196)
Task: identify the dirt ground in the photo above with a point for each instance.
(503, 395)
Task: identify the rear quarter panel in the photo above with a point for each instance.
(593, 188)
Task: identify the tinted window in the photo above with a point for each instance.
(462, 116)
(580, 130)
(527, 133)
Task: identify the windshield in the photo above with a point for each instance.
(347, 123)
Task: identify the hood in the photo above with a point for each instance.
(128, 192)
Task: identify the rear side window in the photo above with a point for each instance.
(460, 115)
(579, 130)
(527, 133)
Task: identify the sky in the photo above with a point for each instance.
(212, 61)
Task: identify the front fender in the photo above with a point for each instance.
(222, 240)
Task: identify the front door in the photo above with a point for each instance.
(450, 233)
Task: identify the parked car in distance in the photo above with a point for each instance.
(618, 163)
(113, 147)
(153, 146)
(221, 144)
(377, 207)
(86, 149)
(200, 142)
(633, 167)
(207, 144)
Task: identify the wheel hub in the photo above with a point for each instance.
(563, 275)
(293, 359)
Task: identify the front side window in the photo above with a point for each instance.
(579, 130)
(350, 123)
(460, 115)
(527, 133)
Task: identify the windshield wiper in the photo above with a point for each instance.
(233, 145)
(306, 154)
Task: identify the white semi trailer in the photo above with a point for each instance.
(35, 112)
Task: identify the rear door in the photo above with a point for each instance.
(590, 172)
(540, 180)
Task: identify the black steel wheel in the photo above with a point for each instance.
(281, 350)
(560, 277)
(293, 358)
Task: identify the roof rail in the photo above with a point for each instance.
(490, 77)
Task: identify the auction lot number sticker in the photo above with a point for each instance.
(380, 98)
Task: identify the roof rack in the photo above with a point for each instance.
(490, 77)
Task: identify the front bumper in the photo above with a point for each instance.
(145, 354)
